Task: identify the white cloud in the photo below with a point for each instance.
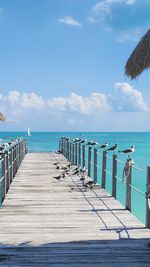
(73, 108)
(70, 21)
(104, 8)
(129, 99)
(26, 100)
(96, 102)
(121, 16)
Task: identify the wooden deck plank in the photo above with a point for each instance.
(44, 222)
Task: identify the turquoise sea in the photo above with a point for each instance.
(48, 141)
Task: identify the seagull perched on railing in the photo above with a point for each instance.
(83, 141)
(77, 140)
(104, 145)
(128, 151)
(92, 143)
(113, 148)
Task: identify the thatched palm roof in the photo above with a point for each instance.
(2, 117)
(140, 58)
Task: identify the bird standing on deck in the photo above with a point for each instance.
(76, 171)
(90, 184)
(83, 172)
(113, 148)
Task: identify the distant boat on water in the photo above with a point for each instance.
(29, 131)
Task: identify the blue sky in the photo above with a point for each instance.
(62, 65)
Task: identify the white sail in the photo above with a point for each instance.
(29, 132)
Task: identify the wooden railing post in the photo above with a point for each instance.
(69, 151)
(65, 148)
(104, 164)
(76, 153)
(7, 170)
(17, 156)
(89, 160)
(128, 189)
(3, 165)
(148, 198)
(95, 164)
(11, 164)
(83, 156)
(73, 157)
(23, 149)
(79, 155)
(19, 153)
(60, 144)
(15, 160)
(26, 146)
(64, 142)
(114, 174)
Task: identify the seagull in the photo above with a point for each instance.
(63, 175)
(77, 140)
(69, 165)
(83, 141)
(76, 172)
(57, 177)
(83, 169)
(83, 174)
(90, 184)
(82, 179)
(63, 137)
(104, 145)
(64, 168)
(58, 152)
(56, 163)
(75, 169)
(92, 143)
(128, 150)
(113, 148)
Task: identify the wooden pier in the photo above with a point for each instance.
(45, 222)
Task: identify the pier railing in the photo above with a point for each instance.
(11, 155)
(103, 167)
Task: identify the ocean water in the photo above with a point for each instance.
(48, 141)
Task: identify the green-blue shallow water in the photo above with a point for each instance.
(48, 141)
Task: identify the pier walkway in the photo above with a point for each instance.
(45, 222)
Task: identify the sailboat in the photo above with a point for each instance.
(29, 132)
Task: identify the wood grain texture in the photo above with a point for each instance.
(45, 222)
